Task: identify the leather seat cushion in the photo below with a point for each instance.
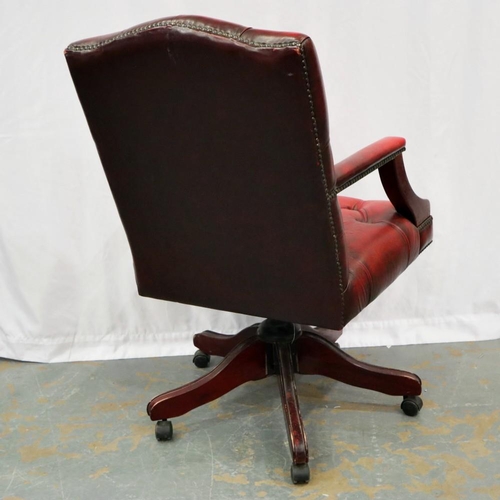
(380, 245)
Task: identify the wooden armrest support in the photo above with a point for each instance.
(400, 193)
(386, 157)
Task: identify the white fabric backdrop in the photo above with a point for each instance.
(426, 70)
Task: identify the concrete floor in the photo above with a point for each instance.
(80, 431)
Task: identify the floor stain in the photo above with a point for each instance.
(109, 406)
(232, 478)
(98, 473)
(33, 452)
(100, 446)
(66, 431)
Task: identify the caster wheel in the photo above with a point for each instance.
(300, 473)
(200, 359)
(164, 430)
(411, 405)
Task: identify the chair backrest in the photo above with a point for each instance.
(214, 140)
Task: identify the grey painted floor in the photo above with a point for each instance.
(79, 431)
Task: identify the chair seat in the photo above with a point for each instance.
(380, 245)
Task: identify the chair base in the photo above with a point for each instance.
(258, 352)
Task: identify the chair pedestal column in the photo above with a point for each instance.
(283, 338)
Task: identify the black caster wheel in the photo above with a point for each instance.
(164, 430)
(300, 473)
(200, 359)
(411, 405)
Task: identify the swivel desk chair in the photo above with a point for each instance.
(214, 139)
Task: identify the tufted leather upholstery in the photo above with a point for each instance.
(214, 139)
(380, 245)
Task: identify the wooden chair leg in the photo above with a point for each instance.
(293, 420)
(316, 355)
(247, 361)
(218, 344)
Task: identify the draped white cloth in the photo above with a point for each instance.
(426, 70)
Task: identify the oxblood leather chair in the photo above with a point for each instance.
(214, 139)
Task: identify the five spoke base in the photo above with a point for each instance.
(281, 349)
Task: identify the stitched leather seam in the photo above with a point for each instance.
(182, 24)
(368, 274)
(364, 213)
(369, 170)
(424, 224)
(405, 238)
(319, 155)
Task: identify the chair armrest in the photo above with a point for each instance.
(386, 156)
(367, 160)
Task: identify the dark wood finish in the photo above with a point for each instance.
(312, 351)
(246, 362)
(399, 191)
(330, 335)
(218, 344)
(318, 356)
(295, 428)
(246, 358)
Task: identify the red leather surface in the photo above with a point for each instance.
(366, 159)
(215, 146)
(214, 140)
(380, 245)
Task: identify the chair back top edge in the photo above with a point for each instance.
(213, 27)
